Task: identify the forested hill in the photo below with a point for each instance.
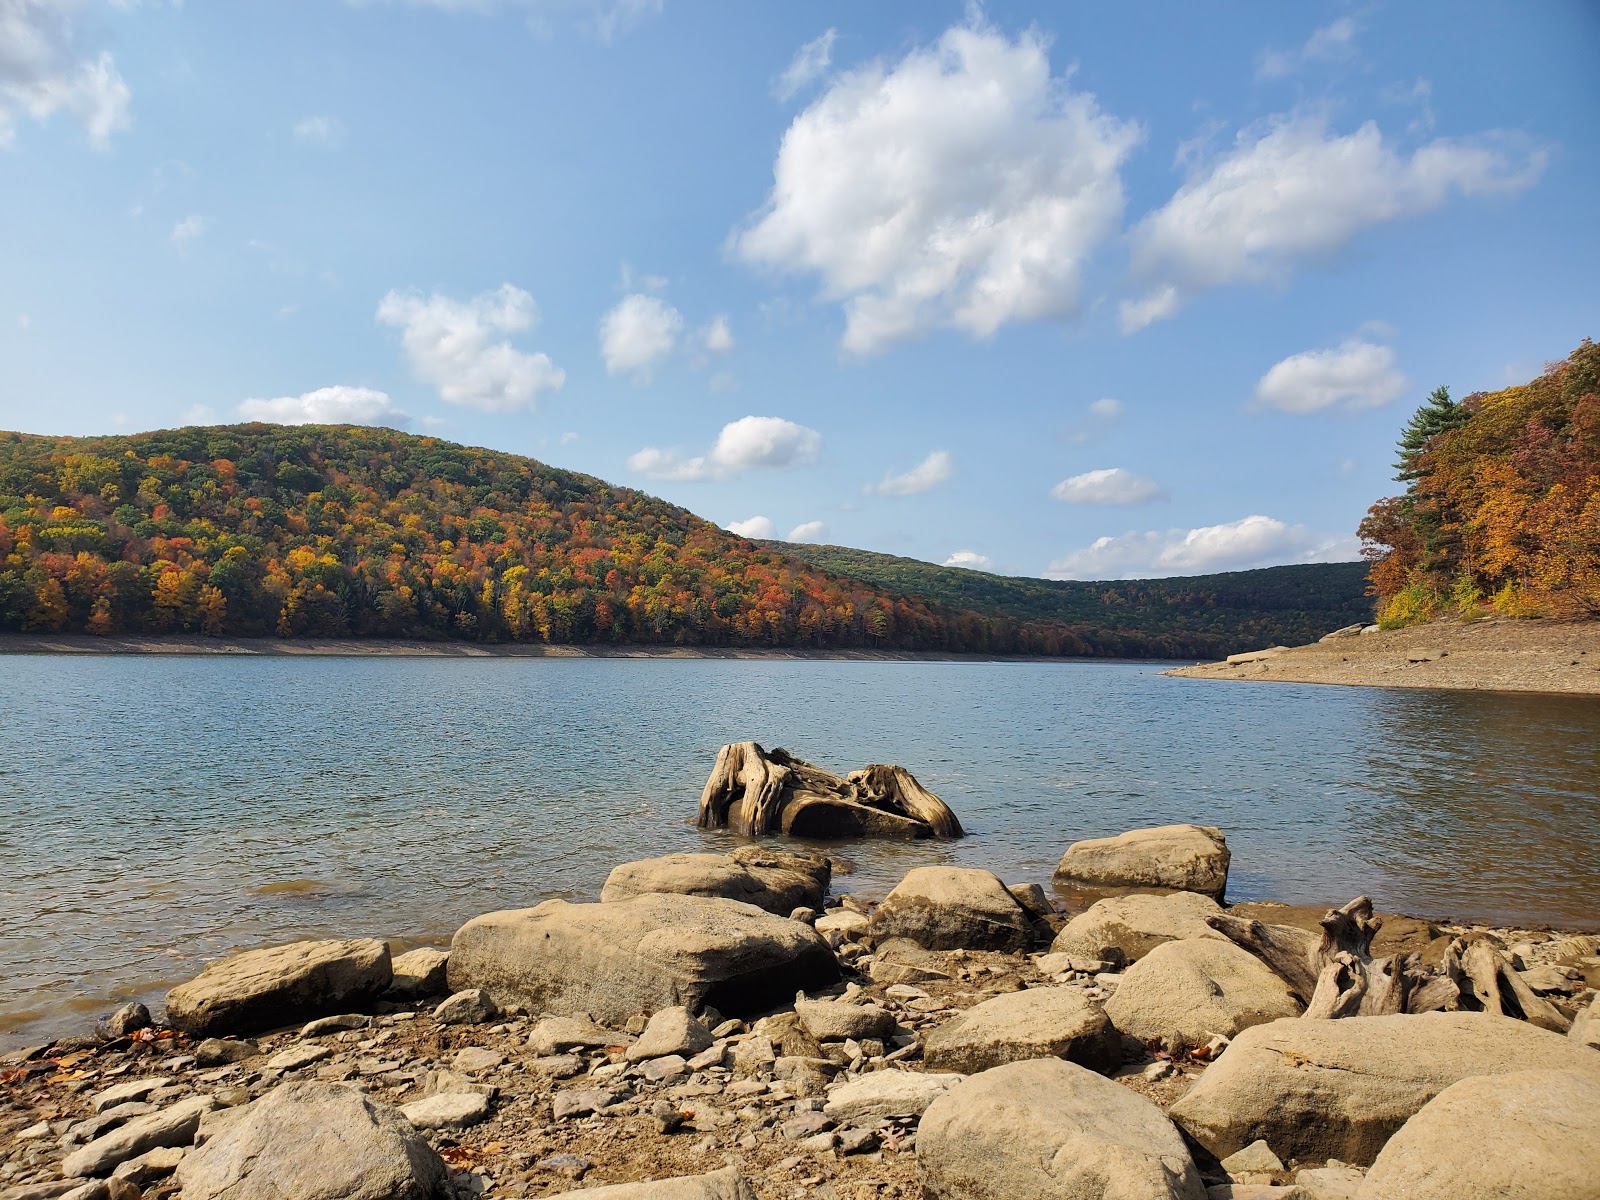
(325, 531)
(1239, 609)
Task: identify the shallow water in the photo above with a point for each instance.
(164, 810)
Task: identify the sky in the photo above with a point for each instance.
(1079, 290)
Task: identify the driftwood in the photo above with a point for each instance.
(1492, 985)
(754, 791)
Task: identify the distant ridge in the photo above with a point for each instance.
(348, 531)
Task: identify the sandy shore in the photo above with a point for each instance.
(1488, 656)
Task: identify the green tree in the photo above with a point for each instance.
(1438, 414)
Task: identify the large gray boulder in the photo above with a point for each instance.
(282, 985)
(1123, 929)
(769, 879)
(654, 951)
(1316, 1090)
(953, 908)
(314, 1141)
(1198, 988)
(1528, 1135)
(726, 1184)
(1051, 1130)
(1056, 1022)
(1189, 858)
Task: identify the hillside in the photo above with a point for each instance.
(1501, 512)
(340, 531)
(1237, 610)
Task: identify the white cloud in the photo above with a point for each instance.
(1106, 409)
(717, 337)
(638, 333)
(755, 527)
(323, 133)
(810, 531)
(925, 476)
(338, 405)
(1254, 541)
(1111, 485)
(1333, 42)
(747, 443)
(1103, 414)
(961, 187)
(42, 72)
(189, 229)
(809, 64)
(453, 345)
(24, 321)
(1292, 190)
(1354, 374)
(566, 439)
(970, 559)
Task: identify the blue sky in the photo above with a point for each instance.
(1093, 291)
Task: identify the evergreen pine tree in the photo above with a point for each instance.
(1437, 415)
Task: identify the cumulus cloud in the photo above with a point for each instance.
(638, 333)
(961, 187)
(456, 346)
(1102, 415)
(1292, 190)
(1254, 541)
(749, 442)
(1354, 374)
(925, 476)
(338, 405)
(755, 527)
(43, 71)
(717, 337)
(809, 64)
(810, 531)
(322, 133)
(1333, 42)
(1110, 486)
(970, 559)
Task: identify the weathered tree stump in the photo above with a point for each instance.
(754, 791)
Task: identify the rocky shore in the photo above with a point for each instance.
(722, 1028)
(1495, 655)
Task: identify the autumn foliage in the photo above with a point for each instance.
(334, 531)
(1502, 512)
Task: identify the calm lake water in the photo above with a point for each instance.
(164, 810)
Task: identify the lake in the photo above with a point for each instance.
(164, 810)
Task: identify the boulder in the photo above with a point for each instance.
(1329, 1183)
(670, 1031)
(1316, 1090)
(1586, 1026)
(447, 1110)
(726, 1184)
(283, 985)
(174, 1125)
(838, 1020)
(1054, 1022)
(469, 1006)
(1198, 988)
(953, 908)
(653, 951)
(1051, 1130)
(845, 922)
(419, 973)
(1123, 929)
(1526, 1135)
(769, 879)
(886, 1096)
(1188, 858)
(315, 1141)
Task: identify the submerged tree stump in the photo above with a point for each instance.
(755, 791)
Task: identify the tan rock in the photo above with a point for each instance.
(770, 879)
(1198, 988)
(1123, 929)
(726, 1184)
(1190, 858)
(1056, 1022)
(282, 985)
(953, 908)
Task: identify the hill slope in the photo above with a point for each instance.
(332, 531)
(1237, 610)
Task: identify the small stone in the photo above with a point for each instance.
(821, 1143)
(665, 1067)
(122, 1093)
(804, 1125)
(581, 1103)
(174, 1126)
(668, 1116)
(215, 1052)
(128, 1019)
(1157, 1071)
(806, 916)
(557, 1066)
(150, 1166)
(474, 1059)
(338, 1024)
(857, 1141)
(714, 1056)
(727, 1029)
(572, 1166)
(1256, 1158)
(448, 1110)
(672, 1031)
(295, 1058)
(469, 1007)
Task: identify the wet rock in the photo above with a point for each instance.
(315, 1141)
(215, 1052)
(726, 1184)
(770, 879)
(1526, 1135)
(836, 1020)
(265, 989)
(615, 959)
(1190, 858)
(1339, 1089)
(447, 1110)
(1198, 988)
(886, 1095)
(1123, 929)
(1045, 1129)
(172, 1126)
(420, 973)
(953, 908)
(469, 1006)
(1058, 1022)
(670, 1031)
